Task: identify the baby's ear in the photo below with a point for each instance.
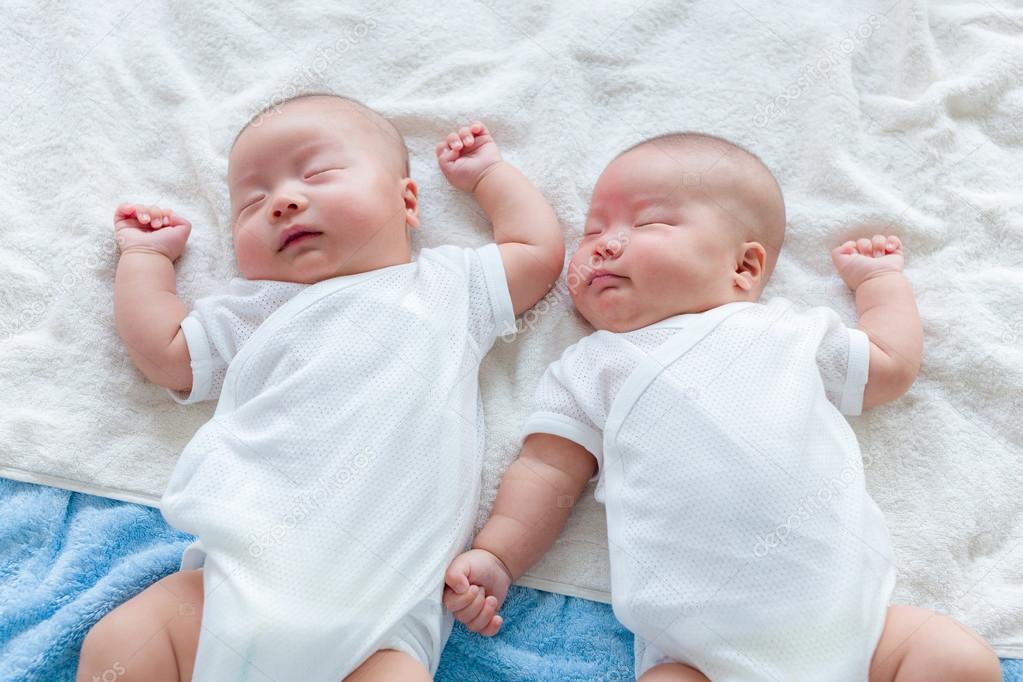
(749, 266)
(410, 194)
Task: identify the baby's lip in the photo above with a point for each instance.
(292, 232)
(597, 274)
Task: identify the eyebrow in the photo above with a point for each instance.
(303, 150)
(646, 200)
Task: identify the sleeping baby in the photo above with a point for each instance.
(743, 543)
(340, 472)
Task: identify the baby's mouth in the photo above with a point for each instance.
(294, 234)
(600, 276)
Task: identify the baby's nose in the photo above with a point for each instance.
(278, 212)
(281, 207)
(610, 247)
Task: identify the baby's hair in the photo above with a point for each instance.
(378, 120)
(760, 185)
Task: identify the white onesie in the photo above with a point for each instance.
(340, 472)
(741, 536)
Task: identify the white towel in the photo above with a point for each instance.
(903, 112)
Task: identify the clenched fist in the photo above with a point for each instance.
(476, 584)
(857, 261)
(150, 228)
(465, 156)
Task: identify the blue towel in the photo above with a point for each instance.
(66, 559)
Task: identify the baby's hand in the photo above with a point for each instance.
(857, 261)
(466, 155)
(150, 228)
(476, 584)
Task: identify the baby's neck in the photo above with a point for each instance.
(654, 316)
(340, 270)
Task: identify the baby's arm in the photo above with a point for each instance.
(525, 227)
(536, 496)
(887, 310)
(146, 306)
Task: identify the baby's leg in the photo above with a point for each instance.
(390, 665)
(152, 636)
(672, 672)
(918, 644)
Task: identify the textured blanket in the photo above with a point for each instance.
(69, 558)
(904, 112)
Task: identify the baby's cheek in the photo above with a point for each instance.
(649, 262)
(576, 276)
(252, 253)
(366, 205)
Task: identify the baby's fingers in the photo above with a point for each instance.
(154, 216)
(142, 214)
(495, 624)
(455, 602)
(157, 217)
(468, 614)
(486, 614)
(172, 218)
(445, 153)
(159, 220)
(124, 211)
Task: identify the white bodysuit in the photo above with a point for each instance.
(340, 472)
(741, 536)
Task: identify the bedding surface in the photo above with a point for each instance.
(69, 558)
(905, 113)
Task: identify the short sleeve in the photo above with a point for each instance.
(218, 325)
(843, 358)
(490, 313)
(208, 366)
(558, 412)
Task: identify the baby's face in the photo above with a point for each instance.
(658, 242)
(315, 194)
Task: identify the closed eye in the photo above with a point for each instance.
(320, 172)
(253, 202)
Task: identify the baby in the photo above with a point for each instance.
(340, 473)
(743, 543)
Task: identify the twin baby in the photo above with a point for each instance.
(335, 488)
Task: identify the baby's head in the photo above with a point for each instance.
(680, 223)
(330, 168)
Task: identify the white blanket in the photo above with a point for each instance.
(894, 112)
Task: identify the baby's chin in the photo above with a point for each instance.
(306, 272)
(618, 318)
(625, 316)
